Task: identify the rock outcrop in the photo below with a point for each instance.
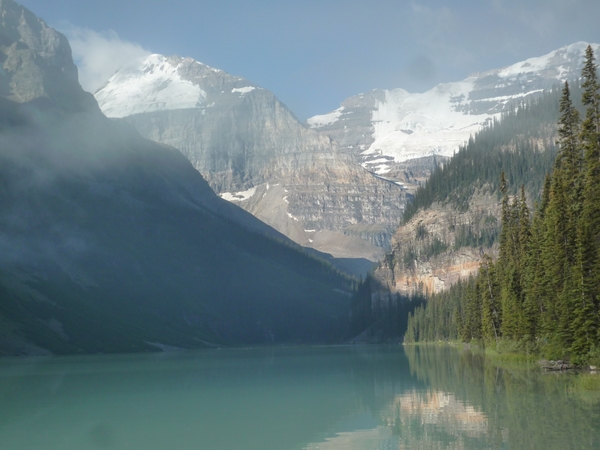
(36, 62)
(427, 252)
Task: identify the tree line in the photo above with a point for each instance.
(543, 292)
(520, 142)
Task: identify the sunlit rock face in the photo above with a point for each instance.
(254, 152)
(36, 62)
(426, 252)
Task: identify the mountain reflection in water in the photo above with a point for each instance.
(371, 397)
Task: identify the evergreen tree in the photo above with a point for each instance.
(545, 285)
(491, 314)
(570, 162)
(587, 274)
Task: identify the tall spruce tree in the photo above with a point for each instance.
(491, 312)
(586, 322)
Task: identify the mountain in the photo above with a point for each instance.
(113, 243)
(455, 218)
(402, 136)
(253, 151)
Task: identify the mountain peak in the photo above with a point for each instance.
(37, 62)
(150, 83)
(162, 83)
(384, 128)
(560, 64)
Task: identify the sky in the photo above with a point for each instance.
(314, 54)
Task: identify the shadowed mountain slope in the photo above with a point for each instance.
(113, 243)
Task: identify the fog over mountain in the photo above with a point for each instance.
(113, 243)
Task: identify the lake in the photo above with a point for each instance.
(365, 397)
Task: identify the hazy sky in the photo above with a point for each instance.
(314, 54)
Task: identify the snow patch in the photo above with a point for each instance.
(238, 196)
(407, 125)
(541, 63)
(325, 119)
(243, 90)
(506, 98)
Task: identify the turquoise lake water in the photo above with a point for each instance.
(371, 397)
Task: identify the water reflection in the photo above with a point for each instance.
(373, 438)
(417, 419)
(297, 398)
(461, 400)
(438, 409)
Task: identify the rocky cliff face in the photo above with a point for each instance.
(36, 61)
(254, 152)
(428, 253)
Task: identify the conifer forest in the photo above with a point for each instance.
(542, 294)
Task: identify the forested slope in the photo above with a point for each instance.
(455, 217)
(543, 292)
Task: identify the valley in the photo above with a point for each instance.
(205, 213)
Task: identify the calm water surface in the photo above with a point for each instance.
(290, 398)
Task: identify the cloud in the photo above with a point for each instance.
(99, 55)
(421, 69)
(437, 30)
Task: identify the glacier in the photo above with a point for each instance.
(149, 84)
(386, 127)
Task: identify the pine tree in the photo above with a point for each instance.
(533, 276)
(585, 324)
(570, 162)
(491, 314)
(471, 319)
(524, 236)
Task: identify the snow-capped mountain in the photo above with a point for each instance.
(160, 83)
(153, 85)
(387, 127)
(113, 243)
(255, 153)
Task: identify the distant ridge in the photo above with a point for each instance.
(383, 128)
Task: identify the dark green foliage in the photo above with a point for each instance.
(510, 144)
(543, 292)
(477, 236)
(377, 315)
(421, 231)
(112, 243)
(437, 319)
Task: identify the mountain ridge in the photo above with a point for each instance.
(388, 128)
(253, 151)
(110, 242)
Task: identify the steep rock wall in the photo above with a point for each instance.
(428, 253)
